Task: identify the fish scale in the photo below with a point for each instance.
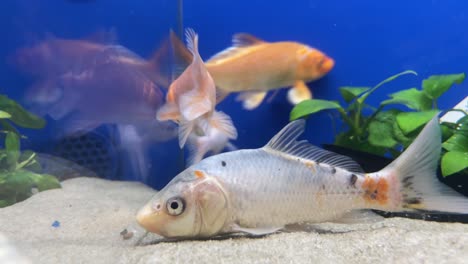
(282, 187)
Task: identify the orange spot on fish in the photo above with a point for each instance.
(310, 165)
(375, 190)
(199, 174)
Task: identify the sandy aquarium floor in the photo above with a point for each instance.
(82, 223)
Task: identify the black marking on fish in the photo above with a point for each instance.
(223, 163)
(353, 180)
(333, 170)
(407, 179)
(323, 187)
(413, 201)
(407, 185)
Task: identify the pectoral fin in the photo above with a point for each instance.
(256, 231)
(185, 128)
(251, 100)
(299, 93)
(359, 217)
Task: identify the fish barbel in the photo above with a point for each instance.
(260, 191)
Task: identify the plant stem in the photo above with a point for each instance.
(357, 119)
(348, 120)
(366, 124)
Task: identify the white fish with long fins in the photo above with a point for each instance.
(191, 102)
(259, 191)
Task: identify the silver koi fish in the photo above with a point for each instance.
(260, 191)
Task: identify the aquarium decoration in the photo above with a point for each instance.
(17, 179)
(390, 130)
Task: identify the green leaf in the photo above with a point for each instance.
(2, 154)
(20, 182)
(381, 128)
(12, 146)
(27, 161)
(380, 134)
(349, 93)
(349, 141)
(17, 185)
(399, 136)
(453, 162)
(46, 182)
(457, 142)
(412, 98)
(364, 96)
(463, 125)
(7, 126)
(410, 121)
(19, 115)
(436, 85)
(4, 114)
(312, 106)
(447, 131)
(5, 203)
(32, 165)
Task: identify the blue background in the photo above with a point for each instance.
(369, 41)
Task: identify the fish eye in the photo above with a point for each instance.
(175, 206)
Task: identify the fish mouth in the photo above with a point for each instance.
(148, 218)
(326, 64)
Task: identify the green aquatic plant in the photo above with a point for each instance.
(17, 179)
(390, 130)
(455, 154)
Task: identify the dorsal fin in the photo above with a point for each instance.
(286, 142)
(192, 41)
(240, 41)
(245, 39)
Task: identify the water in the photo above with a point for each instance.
(369, 41)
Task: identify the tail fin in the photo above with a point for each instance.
(185, 129)
(160, 64)
(218, 130)
(136, 151)
(223, 122)
(414, 172)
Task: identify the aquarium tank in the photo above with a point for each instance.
(137, 91)
(58, 65)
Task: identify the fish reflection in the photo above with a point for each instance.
(87, 83)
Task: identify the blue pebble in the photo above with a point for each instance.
(56, 223)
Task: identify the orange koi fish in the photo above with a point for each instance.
(253, 67)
